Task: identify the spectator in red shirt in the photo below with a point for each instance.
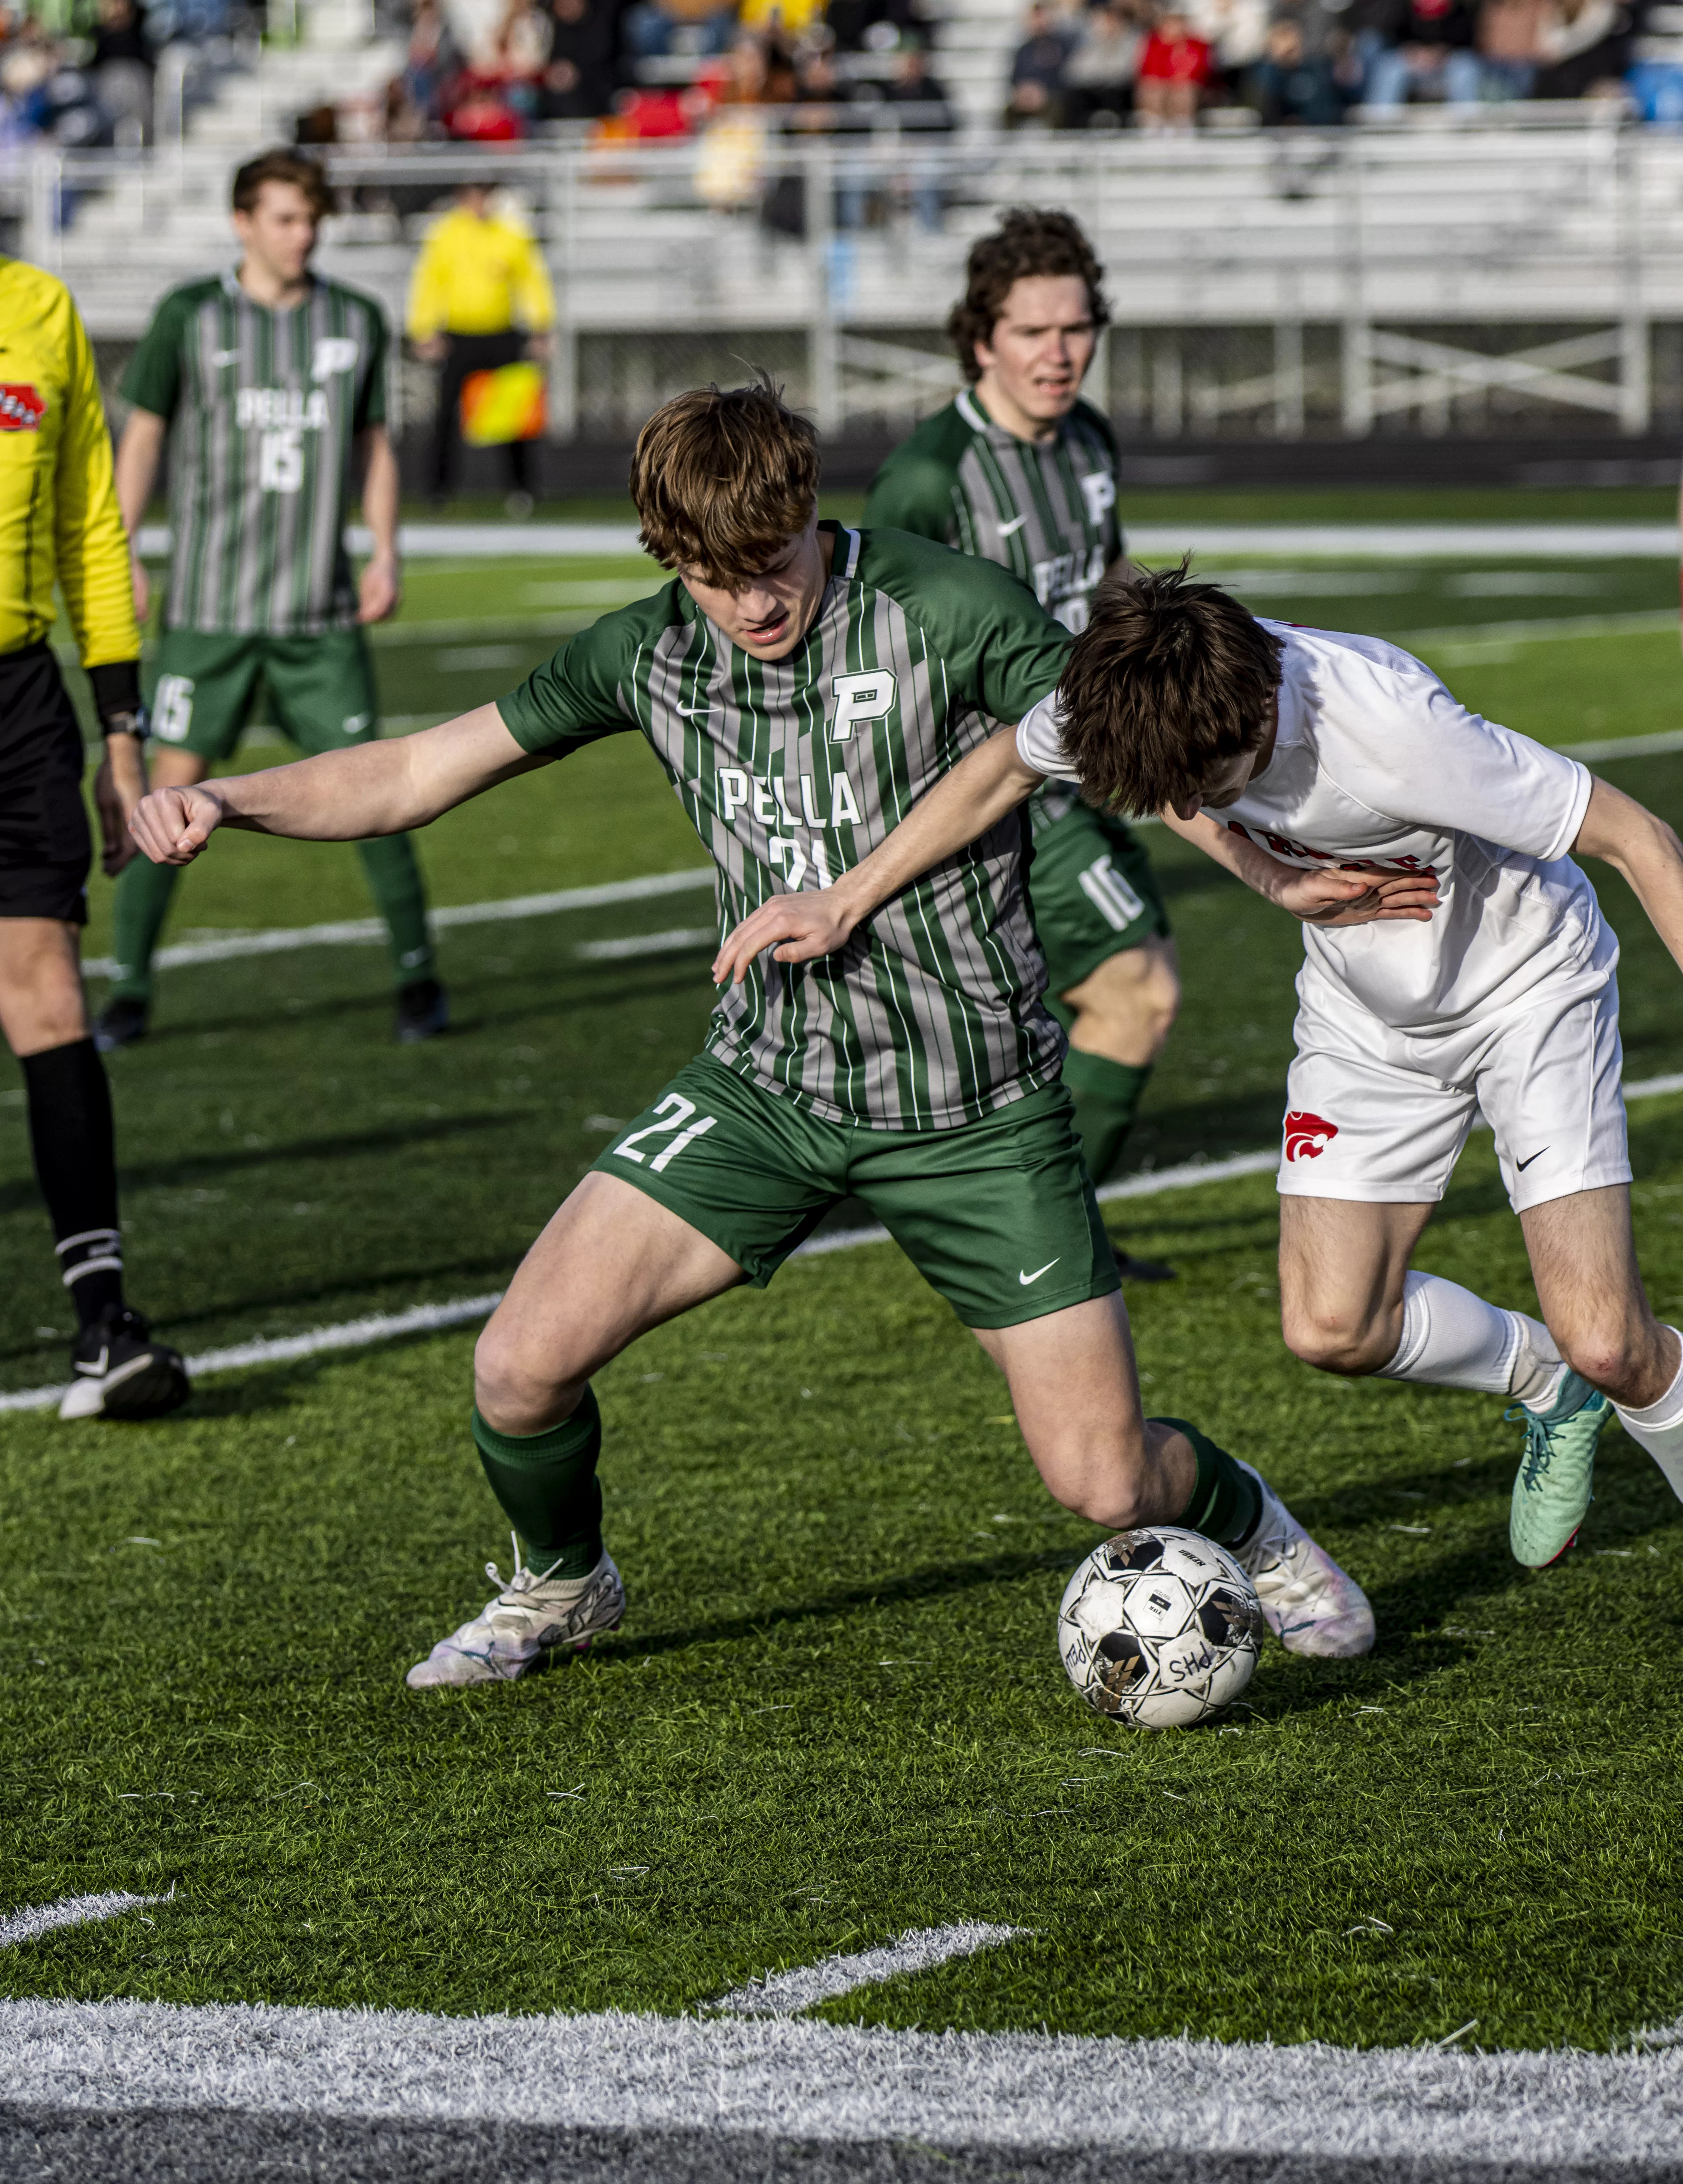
(1174, 70)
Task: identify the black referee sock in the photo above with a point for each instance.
(73, 1141)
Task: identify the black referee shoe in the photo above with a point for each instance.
(120, 1023)
(121, 1373)
(423, 1012)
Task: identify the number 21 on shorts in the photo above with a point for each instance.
(677, 1119)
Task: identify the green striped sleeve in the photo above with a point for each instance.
(587, 690)
(152, 379)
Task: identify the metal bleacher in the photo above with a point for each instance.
(1438, 272)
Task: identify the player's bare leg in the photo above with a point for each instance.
(1123, 1011)
(1583, 1258)
(1342, 1269)
(1350, 1304)
(612, 1264)
(1076, 1392)
(1584, 1262)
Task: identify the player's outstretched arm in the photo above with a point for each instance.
(1644, 851)
(1322, 897)
(979, 793)
(343, 796)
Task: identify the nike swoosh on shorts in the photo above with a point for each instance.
(1520, 1166)
(1026, 1279)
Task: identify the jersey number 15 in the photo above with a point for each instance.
(280, 461)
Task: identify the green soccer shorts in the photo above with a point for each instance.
(997, 1215)
(1092, 893)
(321, 688)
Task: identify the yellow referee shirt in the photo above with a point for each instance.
(478, 276)
(60, 520)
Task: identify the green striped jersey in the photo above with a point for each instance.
(264, 407)
(792, 770)
(1044, 509)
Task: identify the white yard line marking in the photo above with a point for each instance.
(782, 1994)
(429, 1318)
(646, 944)
(359, 932)
(1474, 637)
(24, 1925)
(283, 1349)
(801, 2079)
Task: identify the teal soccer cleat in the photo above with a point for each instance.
(1552, 1494)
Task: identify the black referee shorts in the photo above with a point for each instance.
(46, 847)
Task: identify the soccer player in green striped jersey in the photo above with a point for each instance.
(803, 686)
(272, 383)
(1020, 470)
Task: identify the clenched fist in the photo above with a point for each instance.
(173, 825)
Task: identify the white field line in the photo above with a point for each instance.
(646, 944)
(1380, 542)
(783, 1994)
(355, 932)
(1472, 639)
(284, 1348)
(783, 2079)
(458, 1311)
(23, 1925)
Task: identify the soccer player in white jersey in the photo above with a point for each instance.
(1491, 987)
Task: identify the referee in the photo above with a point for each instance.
(59, 525)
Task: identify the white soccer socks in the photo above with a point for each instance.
(1659, 1430)
(1452, 1339)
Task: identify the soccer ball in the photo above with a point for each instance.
(1159, 1628)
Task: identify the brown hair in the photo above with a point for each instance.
(1026, 243)
(1169, 680)
(282, 164)
(724, 478)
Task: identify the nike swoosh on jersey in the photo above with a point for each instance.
(1520, 1166)
(219, 357)
(1009, 530)
(1026, 1279)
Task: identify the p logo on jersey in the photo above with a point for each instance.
(1307, 1136)
(21, 409)
(334, 353)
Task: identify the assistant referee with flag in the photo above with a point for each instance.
(59, 525)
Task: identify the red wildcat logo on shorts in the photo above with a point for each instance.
(21, 409)
(1307, 1135)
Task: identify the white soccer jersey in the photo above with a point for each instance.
(1377, 768)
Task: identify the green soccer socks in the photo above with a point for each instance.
(1226, 1500)
(547, 1486)
(139, 907)
(394, 881)
(393, 876)
(1105, 1094)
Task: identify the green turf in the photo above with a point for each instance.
(836, 1709)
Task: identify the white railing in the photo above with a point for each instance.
(1382, 271)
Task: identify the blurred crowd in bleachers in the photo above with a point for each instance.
(1163, 63)
(81, 73)
(649, 70)
(731, 72)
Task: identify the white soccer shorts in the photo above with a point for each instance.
(1380, 1115)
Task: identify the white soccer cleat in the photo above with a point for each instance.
(1311, 1604)
(530, 1617)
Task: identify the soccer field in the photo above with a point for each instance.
(835, 1712)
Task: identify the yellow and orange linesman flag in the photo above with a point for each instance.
(502, 405)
